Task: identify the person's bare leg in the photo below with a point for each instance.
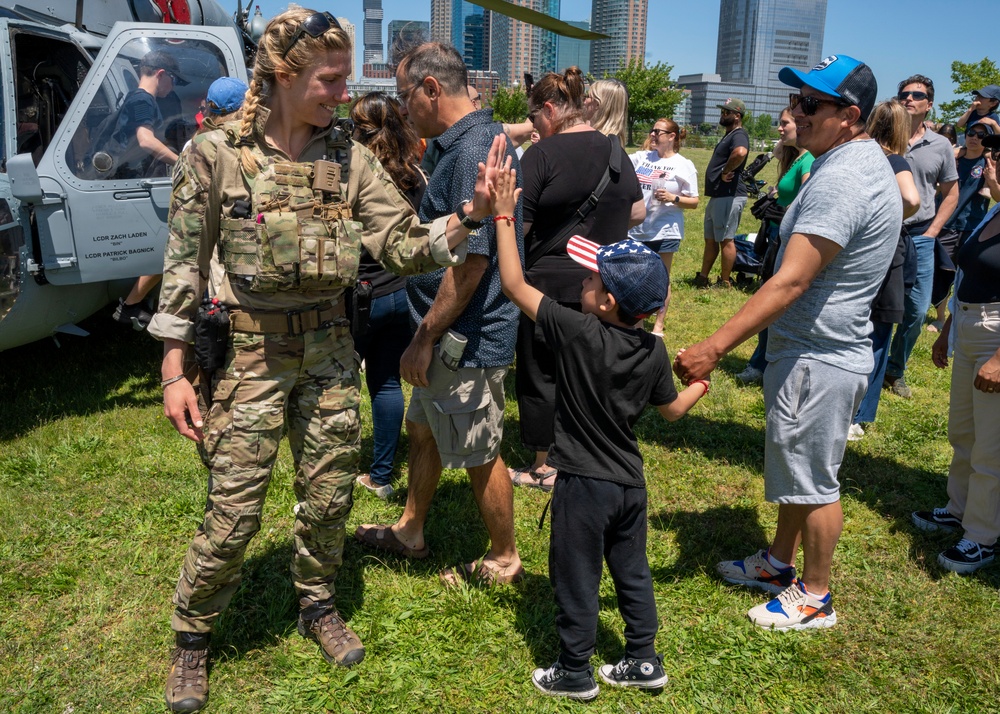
(668, 259)
(495, 498)
(424, 475)
(708, 258)
(820, 527)
(728, 259)
(141, 288)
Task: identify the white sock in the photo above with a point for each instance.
(775, 562)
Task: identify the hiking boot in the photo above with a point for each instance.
(641, 673)
(558, 682)
(756, 571)
(898, 386)
(937, 520)
(187, 682)
(795, 609)
(322, 624)
(701, 281)
(966, 557)
(855, 433)
(750, 375)
(135, 315)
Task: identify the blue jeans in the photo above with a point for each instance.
(381, 348)
(881, 332)
(758, 360)
(915, 309)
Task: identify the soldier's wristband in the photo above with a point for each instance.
(168, 382)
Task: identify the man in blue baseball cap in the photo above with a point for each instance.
(837, 240)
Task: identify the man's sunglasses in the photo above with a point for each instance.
(810, 105)
(977, 134)
(314, 26)
(917, 96)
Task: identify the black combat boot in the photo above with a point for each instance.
(320, 622)
(187, 683)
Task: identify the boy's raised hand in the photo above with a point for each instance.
(504, 192)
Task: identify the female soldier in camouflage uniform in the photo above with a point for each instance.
(286, 200)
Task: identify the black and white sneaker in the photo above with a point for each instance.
(641, 673)
(966, 556)
(937, 520)
(558, 682)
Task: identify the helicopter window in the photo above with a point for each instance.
(144, 111)
(48, 73)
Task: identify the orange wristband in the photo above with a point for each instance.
(708, 387)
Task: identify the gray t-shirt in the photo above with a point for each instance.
(932, 161)
(851, 198)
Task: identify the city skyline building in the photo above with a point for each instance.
(624, 21)
(756, 39)
(374, 50)
(404, 34)
(531, 49)
(573, 52)
(348, 27)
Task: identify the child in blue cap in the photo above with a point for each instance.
(607, 371)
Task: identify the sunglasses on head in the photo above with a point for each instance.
(810, 105)
(314, 26)
(917, 96)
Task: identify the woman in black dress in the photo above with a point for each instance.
(560, 173)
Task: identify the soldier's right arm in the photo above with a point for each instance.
(193, 222)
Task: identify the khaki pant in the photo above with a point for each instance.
(309, 382)
(974, 425)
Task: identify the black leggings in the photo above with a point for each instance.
(595, 520)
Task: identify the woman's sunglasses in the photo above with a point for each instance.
(810, 105)
(977, 134)
(314, 26)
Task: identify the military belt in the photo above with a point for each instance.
(292, 322)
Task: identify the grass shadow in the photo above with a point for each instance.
(113, 368)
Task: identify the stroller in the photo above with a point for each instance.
(748, 263)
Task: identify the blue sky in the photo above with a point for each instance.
(895, 38)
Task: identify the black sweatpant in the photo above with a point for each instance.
(595, 520)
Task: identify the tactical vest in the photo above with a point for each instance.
(299, 235)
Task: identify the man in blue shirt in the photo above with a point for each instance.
(455, 419)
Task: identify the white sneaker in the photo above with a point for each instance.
(755, 571)
(795, 609)
(750, 375)
(855, 433)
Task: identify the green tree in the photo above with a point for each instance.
(760, 128)
(651, 92)
(968, 77)
(509, 105)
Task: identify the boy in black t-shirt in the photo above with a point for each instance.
(607, 372)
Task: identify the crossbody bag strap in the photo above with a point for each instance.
(614, 166)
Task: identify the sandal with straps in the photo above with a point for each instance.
(534, 478)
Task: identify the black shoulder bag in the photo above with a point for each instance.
(614, 166)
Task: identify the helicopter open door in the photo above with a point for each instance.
(102, 206)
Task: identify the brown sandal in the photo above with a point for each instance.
(382, 538)
(480, 574)
(533, 478)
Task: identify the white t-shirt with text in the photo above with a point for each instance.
(678, 176)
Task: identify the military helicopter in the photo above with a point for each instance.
(77, 226)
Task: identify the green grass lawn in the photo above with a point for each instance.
(99, 498)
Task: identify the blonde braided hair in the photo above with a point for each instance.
(273, 43)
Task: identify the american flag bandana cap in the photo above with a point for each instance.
(629, 270)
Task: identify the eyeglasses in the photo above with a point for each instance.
(977, 134)
(314, 26)
(810, 104)
(657, 132)
(403, 95)
(917, 96)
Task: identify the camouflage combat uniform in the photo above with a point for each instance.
(302, 377)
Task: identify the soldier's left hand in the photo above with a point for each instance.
(415, 361)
